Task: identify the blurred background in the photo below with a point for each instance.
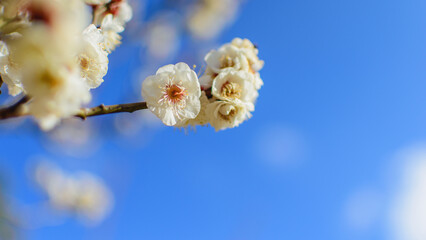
(336, 148)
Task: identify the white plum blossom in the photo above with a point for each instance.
(93, 59)
(207, 79)
(232, 80)
(240, 55)
(227, 56)
(51, 53)
(234, 85)
(257, 81)
(250, 51)
(173, 94)
(225, 114)
(110, 34)
(202, 117)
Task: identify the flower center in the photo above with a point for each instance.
(174, 93)
(230, 90)
(84, 62)
(226, 62)
(227, 116)
(50, 80)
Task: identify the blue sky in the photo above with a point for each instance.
(344, 93)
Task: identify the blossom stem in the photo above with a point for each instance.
(103, 110)
(1, 83)
(14, 110)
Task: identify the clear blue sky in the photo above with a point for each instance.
(344, 90)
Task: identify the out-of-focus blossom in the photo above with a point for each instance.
(82, 192)
(173, 94)
(210, 17)
(50, 76)
(162, 37)
(362, 209)
(112, 17)
(408, 210)
(93, 59)
(9, 71)
(111, 38)
(119, 9)
(74, 138)
(58, 15)
(96, 2)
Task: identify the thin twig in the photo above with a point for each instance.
(102, 109)
(1, 83)
(14, 110)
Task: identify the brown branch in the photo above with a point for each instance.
(14, 110)
(1, 83)
(102, 109)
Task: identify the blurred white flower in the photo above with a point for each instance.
(225, 114)
(408, 210)
(58, 15)
(11, 18)
(48, 70)
(173, 94)
(82, 192)
(280, 146)
(362, 209)
(234, 85)
(96, 2)
(74, 138)
(9, 71)
(119, 9)
(110, 34)
(93, 59)
(56, 93)
(210, 17)
(10, 23)
(50, 76)
(162, 36)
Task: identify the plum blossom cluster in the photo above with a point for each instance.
(56, 51)
(223, 97)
